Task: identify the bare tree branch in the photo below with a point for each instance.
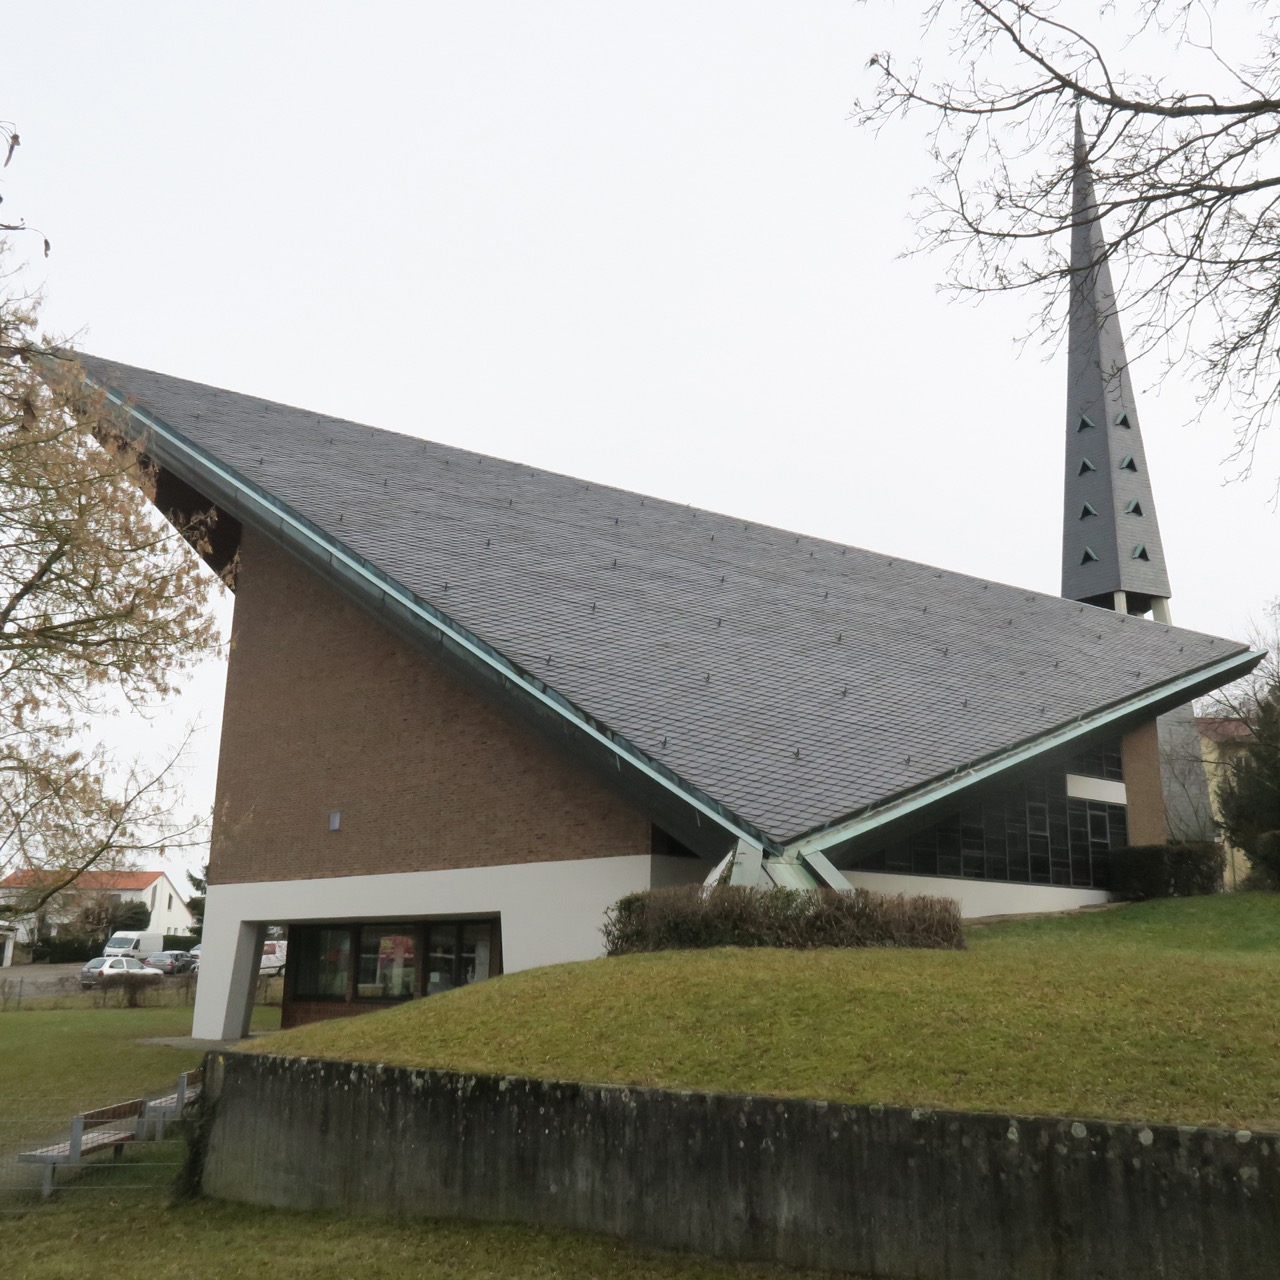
(1187, 174)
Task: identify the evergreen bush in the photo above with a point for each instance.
(1185, 870)
(691, 917)
(65, 949)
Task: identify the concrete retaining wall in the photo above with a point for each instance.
(879, 1191)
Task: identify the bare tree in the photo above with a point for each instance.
(1187, 172)
(10, 142)
(99, 600)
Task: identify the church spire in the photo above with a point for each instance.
(1111, 550)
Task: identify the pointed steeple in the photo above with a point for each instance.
(1111, 549)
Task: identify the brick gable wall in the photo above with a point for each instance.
(326, 709)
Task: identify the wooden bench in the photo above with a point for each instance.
(91, 1131)
(161, 1110)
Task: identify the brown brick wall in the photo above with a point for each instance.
(326, 709)
(1140, 750)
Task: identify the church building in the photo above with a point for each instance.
(470, 704)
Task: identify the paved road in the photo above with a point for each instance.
(44, 979)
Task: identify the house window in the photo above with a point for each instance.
(388, 956)
(323, 963)
(170, 907)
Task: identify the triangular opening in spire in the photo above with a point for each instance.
(1133, 507)
(1085, 423)
(1089, 556)
(1140, 552)
(1122, 420)
(1088, 510)
(1086, 465)
(1127, 463)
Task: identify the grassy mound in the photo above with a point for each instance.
(1163, 1011)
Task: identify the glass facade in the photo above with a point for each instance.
(1032, 833)
(1103, 761)
(384, 962)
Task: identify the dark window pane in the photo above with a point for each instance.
(387, 958)
(442, 957)
(898, 857)
(1118, 817)
(323, 963)
(1103, 761)
(477, 940)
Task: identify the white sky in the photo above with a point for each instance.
(642, 244)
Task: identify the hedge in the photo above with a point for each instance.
(690, 917)
(65, 949)
(1167, 870)
(179, 941)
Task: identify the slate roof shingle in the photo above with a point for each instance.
(795, 680)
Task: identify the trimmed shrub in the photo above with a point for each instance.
(1264, 863)
(125, 990)
(179, 941)
(1167, 871)
(691, 917)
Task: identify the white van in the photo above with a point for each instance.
(273, 958)
(129, 942)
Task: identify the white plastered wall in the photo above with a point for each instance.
(551, 912)
(981, 897)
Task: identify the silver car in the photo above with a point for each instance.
(109, 966)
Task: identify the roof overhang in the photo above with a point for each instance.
(692, 815)
(838, 839)
(695, 817)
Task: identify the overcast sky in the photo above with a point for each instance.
(642, 244)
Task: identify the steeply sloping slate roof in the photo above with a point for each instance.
(795, 680)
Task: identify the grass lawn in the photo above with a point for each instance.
(1164, 1011)
(102, 1228)
(112, 1221)
(57, 1062)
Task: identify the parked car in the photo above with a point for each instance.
(111, 966)
(170, 961)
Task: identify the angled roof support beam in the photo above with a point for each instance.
(822, 869)
(746, 865)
